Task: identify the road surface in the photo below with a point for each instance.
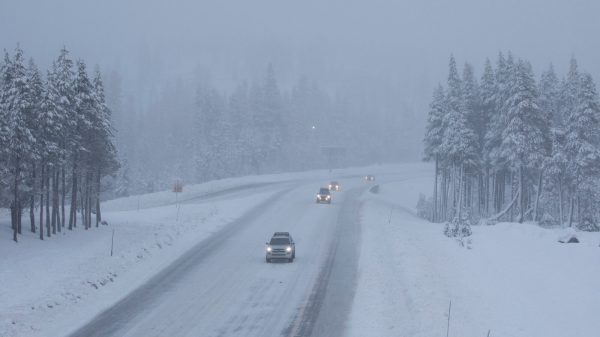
(224, 287)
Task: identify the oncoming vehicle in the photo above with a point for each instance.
(334, 186)
(324, 196)
(370, 177)
(281, 246)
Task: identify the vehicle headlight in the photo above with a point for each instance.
(327, 197)
(288, 249)
(268, 249)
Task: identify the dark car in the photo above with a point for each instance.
(334, 186)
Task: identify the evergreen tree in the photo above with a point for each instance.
(549, 95)
(35, 96)
(19, 139)
(525, 138)
(581, 146)
(272, 111)
(459, 142)
(434, 138)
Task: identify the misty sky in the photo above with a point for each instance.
(404, 42)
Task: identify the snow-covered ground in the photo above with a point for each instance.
(515, 281)
(73, 275)
(46, 281)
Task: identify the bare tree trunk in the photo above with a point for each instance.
(460, 193)
(42, 203)
(512, 193)
(99, 214)
(51, 189)
(73, 210)
(14, 217)
(89, 201)
(47, 190)
(55, 199)
(32, 201)
(19, 216)
(435, 192)
(64, 194)
(503, 212)
(572, 205)
(537, 197)
(560, 201)
(578, 211)
(82, 202)
(521, 196)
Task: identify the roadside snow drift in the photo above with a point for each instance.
(515, 281)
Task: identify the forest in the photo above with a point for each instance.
(510, 147)
(56, 144)
(195, 129)
(70, 139)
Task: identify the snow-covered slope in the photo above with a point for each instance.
(516, 280)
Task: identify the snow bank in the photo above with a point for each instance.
(69, 279)
(517, 280)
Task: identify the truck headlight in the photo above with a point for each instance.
(268, 249)
(288, 249)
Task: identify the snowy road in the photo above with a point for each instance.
(223, 287)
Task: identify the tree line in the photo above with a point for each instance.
(510, 147)
(56, 143)
(197, 132)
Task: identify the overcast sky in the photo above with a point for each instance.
(332, 40)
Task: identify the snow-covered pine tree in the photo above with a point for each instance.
(272, 114)
(476, 123)
(211, 142)
(62, 81)
(433, 139)
(258, 141)
(487, 92)
(86, 120)
(525, 138)
(582, 131)
(459, 141)
(241, 127)
(50, 140)
(554, 166)
(104, 152)
(550, 95)
(35, 96)
(19, 138)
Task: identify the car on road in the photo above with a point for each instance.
(370, 177)
(324, 196)
(334, 186)
(281, 246)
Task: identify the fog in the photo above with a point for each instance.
(398, 50)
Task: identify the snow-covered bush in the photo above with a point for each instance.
(547, 220)
(459, 227)
(425, 207)
(588, 224)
